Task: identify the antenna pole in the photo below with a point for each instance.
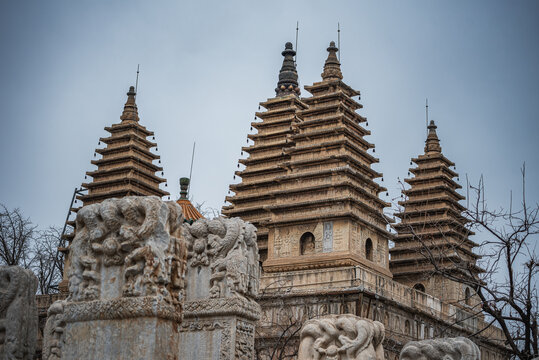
(427, 114)
(339, 39)
(136, 82)
(191, 170)
(297, 31)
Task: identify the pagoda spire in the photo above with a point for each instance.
(130, 112)
(288, 76)
(332, 67)
(432, 144)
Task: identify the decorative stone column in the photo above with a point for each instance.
(126, 270)
(18, 313)
(221, 284)
(341, 337)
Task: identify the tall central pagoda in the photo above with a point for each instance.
(126, 166)
(432, 229)
(308, 184)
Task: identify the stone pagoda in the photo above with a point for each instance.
(126, 166)
(432, 223)
(308, 184)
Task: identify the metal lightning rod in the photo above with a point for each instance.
(136, 82)
(191, 170)
(297, 31)
(427, 115)
(339, 40)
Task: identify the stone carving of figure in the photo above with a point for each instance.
(139, 234)
(341, 337)
(459, 348)
(18, 313)
(307, 244)
(228, 247)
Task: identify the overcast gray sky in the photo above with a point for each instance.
(65, 67)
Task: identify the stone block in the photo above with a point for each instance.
(18, 313)
(341, 337)
(127, 263)
(222, 282)
(459, 348)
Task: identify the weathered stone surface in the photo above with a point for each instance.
(127, 263)
(341, 337)
(18, 313)
(221, 284)
(459, 348)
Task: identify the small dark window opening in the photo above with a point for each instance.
(419, 287)
(467, 296)
(307, 245)
(368, 249)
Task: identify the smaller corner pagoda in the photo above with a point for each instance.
(432, 223)
(126, 166)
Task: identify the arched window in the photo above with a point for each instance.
(419, 287)
(307, 243)
(407, 327)
(368, 249)
(467, 296)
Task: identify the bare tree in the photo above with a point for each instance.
(48, 261)
(16, 235)
(507, 289)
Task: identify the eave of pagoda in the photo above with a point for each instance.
(428, 158)
(335, 144)
(429, 190)
(152, 187)
(127, 137)
(439, 197)
(420, 267)
(291, 101)
(414, 251)
(264, 159)
(429, 178)
(334, 118)
(431, 223)
(100, 196)
(431, 167)
(124, 159)
(270, 135)
(127, 125)
(323, 133)
(338, 95)
(365, 172)
(318, 111)
(277, 145)
(325, 85)
(150, 175)
(407, 236)
(108, 151)
(346, 184)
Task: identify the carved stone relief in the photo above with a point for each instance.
(459, 348)
(341, 337)
(18, 313)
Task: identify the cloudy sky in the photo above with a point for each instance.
(66, 66)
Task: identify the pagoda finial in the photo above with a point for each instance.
(288, 76)
(332, 67)
(130, 108)
(432, 144)
(184, 185)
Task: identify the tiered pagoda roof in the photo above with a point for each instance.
(431, 220)
(126, 165)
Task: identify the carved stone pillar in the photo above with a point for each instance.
(341, 337)
(127, 262)
(221, 284)
(18, 313)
